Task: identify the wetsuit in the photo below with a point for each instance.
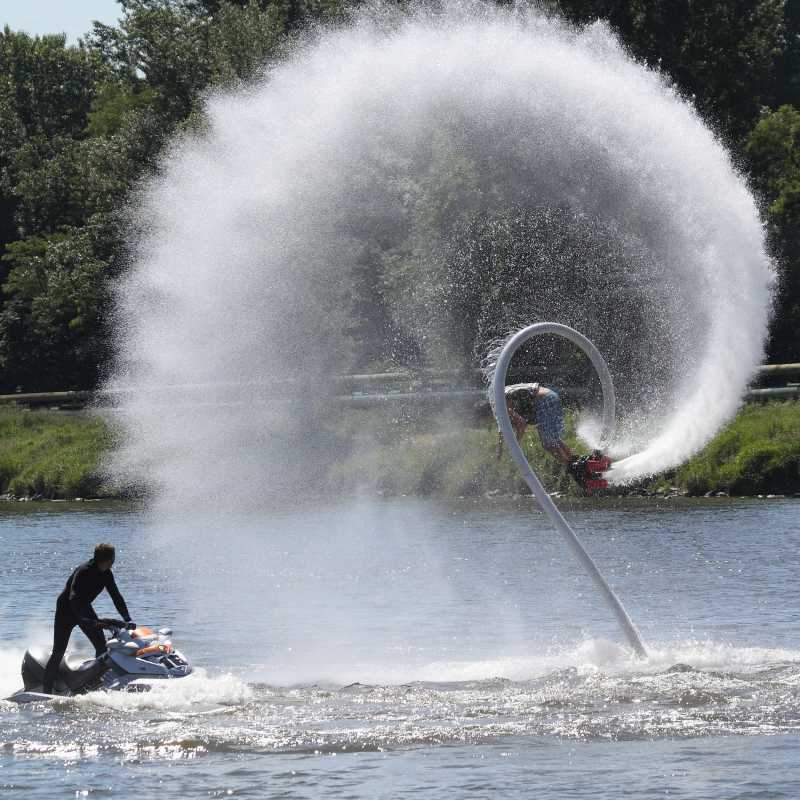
(74, 607)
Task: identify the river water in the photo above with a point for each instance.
(411, 649)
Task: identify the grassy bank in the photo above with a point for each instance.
(51, 455)
(54, 455)
(758, 453)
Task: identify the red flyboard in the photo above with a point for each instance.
(596, 465)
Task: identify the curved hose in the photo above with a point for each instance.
(546, 502)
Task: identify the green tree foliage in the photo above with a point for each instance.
(788, 72)
(51, 323)
(289, 14)
(46, 92)
(774, 151)
(178, 48)
(161, 44)
(50, 86)
(722, 54)
(12, 136)
(114, 104)
(80, 125)
(242, 39)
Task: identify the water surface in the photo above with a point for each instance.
(421, 649)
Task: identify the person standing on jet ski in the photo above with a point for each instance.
(532, 404)
(74, 608)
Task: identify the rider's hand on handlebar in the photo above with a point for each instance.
(111, 624)
(129, 626)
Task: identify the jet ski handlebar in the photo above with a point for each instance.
(115, 624)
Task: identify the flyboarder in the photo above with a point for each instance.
(74, 608)
(533, 404)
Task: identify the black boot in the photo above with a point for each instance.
(577, 468)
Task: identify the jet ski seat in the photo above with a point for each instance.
(82, 676)
(74, 677)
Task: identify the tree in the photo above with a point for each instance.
(12, 135)
(773, 148)
(161, 44)
(721, 53)
(53, 332)
(80, 125)
(290, 15)
(788, 68)
(49, 85)
(242, 39)
(178, 48)
(46, 92)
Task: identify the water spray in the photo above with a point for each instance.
(370, 156)
(546, 502)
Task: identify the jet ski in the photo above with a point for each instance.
(136, 657)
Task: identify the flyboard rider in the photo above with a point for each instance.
(74, 608)
(533, 404)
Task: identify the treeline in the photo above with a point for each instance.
(81, 124)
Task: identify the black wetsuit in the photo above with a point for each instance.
(74, 607)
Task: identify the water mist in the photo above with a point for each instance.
(463, 159)
(393, 131)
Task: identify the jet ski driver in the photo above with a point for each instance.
(74, 608)
(533, 404)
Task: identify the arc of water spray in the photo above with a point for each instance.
(546, 502)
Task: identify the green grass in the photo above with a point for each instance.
(58, 455)
(51, 454)
(758, 453)
(454, 461)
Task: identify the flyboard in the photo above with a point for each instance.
(545, 501)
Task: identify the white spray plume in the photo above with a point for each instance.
(249, 235)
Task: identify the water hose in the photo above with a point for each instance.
(545, 501)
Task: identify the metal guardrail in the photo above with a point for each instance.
(60, 399)
(419, 386)
(773, 393)
(779, 369)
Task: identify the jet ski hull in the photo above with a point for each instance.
(134, 661)
(22, 697)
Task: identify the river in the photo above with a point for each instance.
(421, 649)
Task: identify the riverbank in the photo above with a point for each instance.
(757, 454)
(52, 455)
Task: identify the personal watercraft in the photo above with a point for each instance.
(134, 660)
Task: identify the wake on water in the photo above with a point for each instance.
(591, 656)
(596, 691)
